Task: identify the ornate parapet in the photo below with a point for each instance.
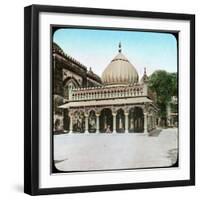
(93, 93)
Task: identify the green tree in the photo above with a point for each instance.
(174, 84)
(164, 84)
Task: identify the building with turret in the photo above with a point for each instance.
(118, 102)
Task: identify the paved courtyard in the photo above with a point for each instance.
(81, 152)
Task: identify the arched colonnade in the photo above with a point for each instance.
(111, 120)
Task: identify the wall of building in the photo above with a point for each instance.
(67, 74)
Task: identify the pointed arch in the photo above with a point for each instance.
(71, 79)
(69, 82)
(136, 120)
(106, 120)
(92, 121)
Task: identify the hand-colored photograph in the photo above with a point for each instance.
(114, 99)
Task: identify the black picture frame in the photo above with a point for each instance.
(31, 98)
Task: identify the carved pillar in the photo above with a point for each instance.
(71, 123)
(114, 122)
(126, 122)
(145, 123)
(149, 122)
(86, 123)
(97, 122)
(154, 121)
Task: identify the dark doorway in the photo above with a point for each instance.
(120, 121)
(136, 120)
(66, 120)
(106, 121)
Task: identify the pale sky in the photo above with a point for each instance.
(96, 48)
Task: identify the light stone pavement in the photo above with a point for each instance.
(81, 152)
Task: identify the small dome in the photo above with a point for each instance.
(120, 71)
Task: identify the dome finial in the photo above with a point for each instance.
(145, 71)
(120, 49)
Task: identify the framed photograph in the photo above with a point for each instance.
(109, 99)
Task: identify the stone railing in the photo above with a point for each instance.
(94, 93)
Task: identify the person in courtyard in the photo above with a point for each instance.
(108, 130)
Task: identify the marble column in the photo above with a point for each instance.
(97, 122)
(145, 123)
(71, 124)
(150, 120)
(114, 122)
(126, 122)
(86, 123)
(153, 125)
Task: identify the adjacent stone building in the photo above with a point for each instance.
(67, 74)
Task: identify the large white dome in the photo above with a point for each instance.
(119, 72)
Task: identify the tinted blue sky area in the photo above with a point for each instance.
(96, 48)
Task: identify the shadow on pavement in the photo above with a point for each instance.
(155, 132)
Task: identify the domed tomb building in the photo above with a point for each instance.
(122, 103)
